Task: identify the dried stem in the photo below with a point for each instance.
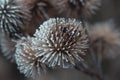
(97, 60)
(84, 67)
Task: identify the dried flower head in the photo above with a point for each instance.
(40, 9)
(75, 8)
(105, 36)
(90, 7)
(12, 17)
(61, 42)
(87, 7)
(26, 59)
(39, 12)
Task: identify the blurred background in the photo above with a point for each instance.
(109, 10)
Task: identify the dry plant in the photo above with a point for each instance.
(33, 38)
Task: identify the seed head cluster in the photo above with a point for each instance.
(58, 42)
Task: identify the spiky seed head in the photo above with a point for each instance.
(86, 7)
(27, 62)
(105, 31)
(12, 17)
(61, 42)
(104, 36)
(40, 11)
(90, 7)
(75, 8)
(39, 8)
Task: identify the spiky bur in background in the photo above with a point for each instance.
(77, 8)
(85, 7)
(104, 42)
(105, 35)
(38, 13)
(41, 10)
(97, 50)
(12, 17)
